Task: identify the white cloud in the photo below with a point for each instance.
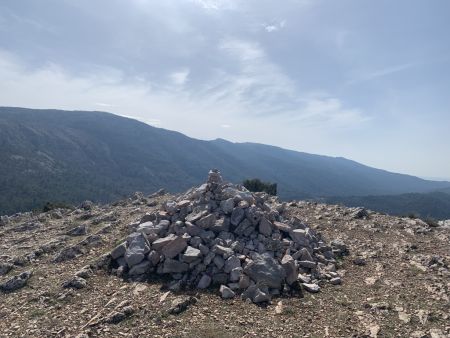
(261, 89)
(180, 77)
(275, 27)
(216, 4)
(102, 104)
(255, 99)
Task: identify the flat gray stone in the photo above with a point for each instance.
(265, 227)
(236, 274)
(138, 247)
(219, 262)
(78, 231)
(173, 266)
(265, 269)
(259, 296)
(244, 281)
(227, 206)
(119, 251)
(307, 264)
(336, 281)
(161, 242)
(244, 227)
(192, 229)
(206, 222)
(204, 249)
(226, 292)
(75, 283)
(191, 254)
(313, 288)
(237, 216)
(204, 282)
(300, 236)
(291, 270)
(221, 225)
(222, 250)
(174, 247)
(231, 263)
(153, 257)
(140, 269)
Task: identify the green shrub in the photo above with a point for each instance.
(431, 222)
(256, 185)
(56, 205)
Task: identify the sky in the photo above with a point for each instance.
(361, 79)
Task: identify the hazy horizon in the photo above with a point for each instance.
(363, 80)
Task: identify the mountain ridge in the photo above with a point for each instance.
(70, 156)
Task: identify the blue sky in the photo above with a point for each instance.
(366, 80)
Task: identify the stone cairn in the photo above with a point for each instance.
(221, 234)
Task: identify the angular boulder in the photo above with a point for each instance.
(191, 254)
(265, 269)
(174, 247)
(138, 247)
(291, 270)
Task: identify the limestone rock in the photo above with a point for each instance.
(173, 266)
(191, 254)
(140, 269)
(16, 282)
(119, 251)
(237, 216)
(227, 206)
(204, 282)
(206, 222)
(138, 246)
(265, 269)
(75, 283)
(174, 247)
(221, 234)
(226, 292)
(265, 227)
(290, 269)
(313, 288)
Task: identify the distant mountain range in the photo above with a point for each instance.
(424, 205)
(70, 156)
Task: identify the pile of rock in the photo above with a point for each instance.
(221, 234)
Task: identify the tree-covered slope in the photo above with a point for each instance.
(54, 155)
(425, 205)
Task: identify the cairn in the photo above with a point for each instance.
(221, 234)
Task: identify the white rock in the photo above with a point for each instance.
(226, 292)
(313, 288)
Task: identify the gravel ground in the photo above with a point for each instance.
(396, 282)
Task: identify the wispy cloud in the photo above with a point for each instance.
(180, 77)
(261, 88)
(389, 70)
(373, 75)
(102, 104)
(275, 26)
(254, 91)
(215, 4)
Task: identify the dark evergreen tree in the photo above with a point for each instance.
(256, 185)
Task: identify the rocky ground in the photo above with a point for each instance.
(395, 280)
